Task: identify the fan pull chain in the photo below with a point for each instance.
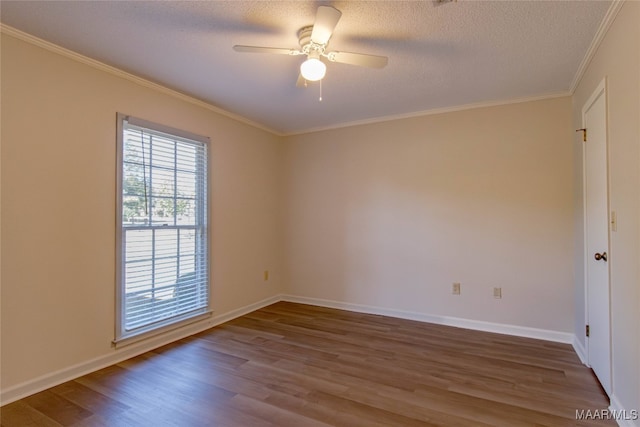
(320, 98)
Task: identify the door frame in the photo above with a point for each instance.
(600, 90)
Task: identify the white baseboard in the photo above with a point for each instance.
(66, 374)
(625, 417)
(580, 350)
(233, 314)
(520, 331)
(53, 379)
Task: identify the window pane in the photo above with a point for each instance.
(162, 209)
(164, 251)
(137, 148)
(162, 182)
(186, 157)
(163, 152)
(186, 184)
(134, 179)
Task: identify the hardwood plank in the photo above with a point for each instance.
(300, 365)
(280, 417)
(90, 400)
(57, 407)
(21, 414)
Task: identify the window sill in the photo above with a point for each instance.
(142, 335)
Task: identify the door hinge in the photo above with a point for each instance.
(587, 330)
(584, 133)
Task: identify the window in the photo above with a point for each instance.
(162, 228)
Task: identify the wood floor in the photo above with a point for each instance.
(299, 365)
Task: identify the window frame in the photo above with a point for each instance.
(122, 336)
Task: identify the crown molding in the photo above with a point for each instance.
(610, 16)
(433, 111)
(612, 12)
(21, 35)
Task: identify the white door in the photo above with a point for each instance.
(597, 255)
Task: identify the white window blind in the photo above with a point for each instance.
(164, 274)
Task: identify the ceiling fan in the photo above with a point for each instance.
(313, 43)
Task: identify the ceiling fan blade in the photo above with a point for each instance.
(371, 61)
(327, 18)
(259, 49)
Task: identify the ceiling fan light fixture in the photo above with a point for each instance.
(313, 69)
(313, 41)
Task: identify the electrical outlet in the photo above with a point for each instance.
(497, 292)
(455, 289)
(266, 275)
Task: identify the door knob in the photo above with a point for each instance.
(600, 256)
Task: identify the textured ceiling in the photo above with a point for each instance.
(440, 56)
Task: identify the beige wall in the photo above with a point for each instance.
(58, 200)
(391, 214)
(385, 215)
(617, 59)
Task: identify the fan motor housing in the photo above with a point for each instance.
(304, 35)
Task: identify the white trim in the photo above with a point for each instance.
(126, 340)
(616, 407)
(600, 90)
(21, 35)
(500, 328)
(69, 373)
(580, 350)
(443, 110)
(52, 379)
(146, 83)
(168, 130)
(610, 16)
(606, 23)
(234, 314)
(585, 256)
(195, 310)
(46, 381)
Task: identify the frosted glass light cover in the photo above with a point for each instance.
(313, 69)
